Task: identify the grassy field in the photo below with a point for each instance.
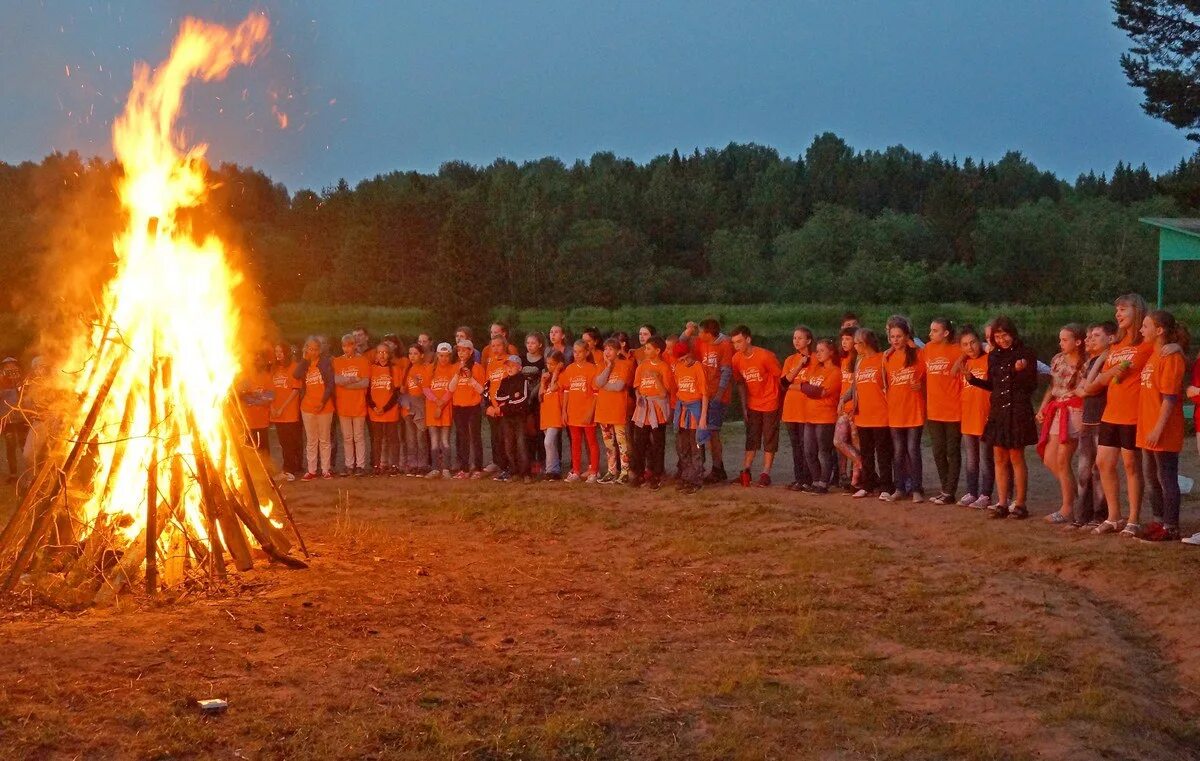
(775, 320)
(487, 621)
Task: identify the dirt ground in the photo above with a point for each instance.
(490, 621)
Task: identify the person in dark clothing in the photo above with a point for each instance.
(1012, 379)
(510, 406)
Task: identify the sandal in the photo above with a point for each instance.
(1018, 512)
(1057, 518)
(1132, 531)
(1108, 527)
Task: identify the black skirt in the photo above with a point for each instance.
(1011, 427)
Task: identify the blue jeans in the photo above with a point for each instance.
(981, 466)
(906, 462)
(550, 439)
(1164, 484)
(818, 452)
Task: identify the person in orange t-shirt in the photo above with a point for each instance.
(1160, 422)
(316, 407)
(285, 411)
(976, 405)
(438, 413)
(613, 383)
(793, 414)
(383, 412)
(1117, 436)
(871, 416)
(822, 385)
(256, 392)
(466, 398)
(652, 382)
(906, 408)
(551, 417)
(758, 374)
(715, 352)
(416, 433)
(691, 411)
(943, 397)
(579, 392)
(350, 376)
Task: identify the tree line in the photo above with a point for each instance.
(741, 224)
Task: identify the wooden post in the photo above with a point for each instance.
(152, 487)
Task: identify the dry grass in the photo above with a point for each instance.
(487, 621)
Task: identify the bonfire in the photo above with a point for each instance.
(146, 482)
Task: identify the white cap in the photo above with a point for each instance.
(443, 347)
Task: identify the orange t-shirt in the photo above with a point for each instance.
(1161, 376)
(314, 392)
(829, 378)
(384, 381)
(943, 388)
(495, 374)
(1122, 405)
(486, 358)
(401, 365)
(715, 356)
(438, 381)
(906, 405)
(872, 395)
(258, 416)
(644, 381)
(691, 383)
(976, 403)
(285, 384)
(351, 402)
(551, 412)
(465, 394)
(795, 403)
(414, 381)
(760, 372)
(612, 407)
(576, 382)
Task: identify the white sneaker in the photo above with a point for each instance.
(593, 478)
(573, 478)
(1193, 539)
(982, 502)
(888, 496)
(434, 474)
(918, 497)
(492, 468)
(860, 494)
(288, 476)
(966, 500)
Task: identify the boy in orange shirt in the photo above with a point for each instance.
(351, 376)
(757, 371)
(653, 382)
(691, 413)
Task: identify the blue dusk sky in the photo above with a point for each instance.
(372, 87)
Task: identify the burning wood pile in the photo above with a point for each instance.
(145, 481)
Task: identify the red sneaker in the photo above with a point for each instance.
(764, 480)
(309, 477)
(745, 479)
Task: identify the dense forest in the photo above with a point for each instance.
(741, 224)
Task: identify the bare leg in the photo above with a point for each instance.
(1106, 462)
(1020, 474)
(1132, 459)
(1003, 484)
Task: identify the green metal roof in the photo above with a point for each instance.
(1186, 225)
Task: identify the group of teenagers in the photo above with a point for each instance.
(855, 408)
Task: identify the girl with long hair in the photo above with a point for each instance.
(943, 412)
(1012, 379)
(871, 417)
(906, 408)
(795, 404)
(1061, 417)
(1160, 421)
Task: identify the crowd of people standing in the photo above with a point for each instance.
(855, 405)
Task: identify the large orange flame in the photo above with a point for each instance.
(163, 358)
